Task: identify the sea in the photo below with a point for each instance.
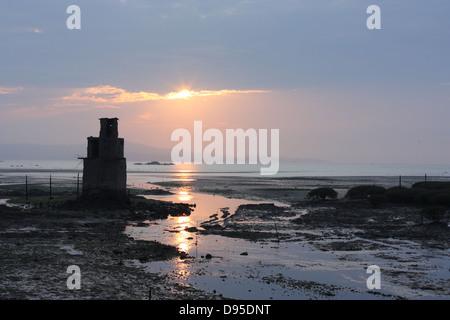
(287, 169)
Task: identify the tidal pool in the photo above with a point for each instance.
(243, 269)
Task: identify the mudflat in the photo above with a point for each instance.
(41, 238)
(38, 244)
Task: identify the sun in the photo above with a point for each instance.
(183, 94)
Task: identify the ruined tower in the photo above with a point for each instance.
(104, 168)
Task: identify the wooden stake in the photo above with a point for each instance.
(78, 185)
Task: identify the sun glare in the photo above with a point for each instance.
(183, 94)
(184, 196)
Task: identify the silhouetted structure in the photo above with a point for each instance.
(104, 168)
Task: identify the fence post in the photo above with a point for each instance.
(400, 181)
(26, 187)
(50, 187)
(78, 185)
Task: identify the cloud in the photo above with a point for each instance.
(33, 30)
(148, 116)
(108, 106)
(8, 90)
(113, 95)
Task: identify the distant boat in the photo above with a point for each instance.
(154, 163)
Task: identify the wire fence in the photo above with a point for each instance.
(41, 186)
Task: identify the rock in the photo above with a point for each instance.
(143, 259)
(183, 255)
(117, 251)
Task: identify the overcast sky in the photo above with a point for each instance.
(336, 90)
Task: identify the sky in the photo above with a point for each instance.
(336, 90)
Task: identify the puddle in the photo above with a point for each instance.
(20, 230)
(4, 202)
(71, 250)
(22, 206)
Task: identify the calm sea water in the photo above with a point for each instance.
(286, 169)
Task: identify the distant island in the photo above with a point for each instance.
(154, 163)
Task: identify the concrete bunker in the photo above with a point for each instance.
(104, 168)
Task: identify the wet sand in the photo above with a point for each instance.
(38, 244)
